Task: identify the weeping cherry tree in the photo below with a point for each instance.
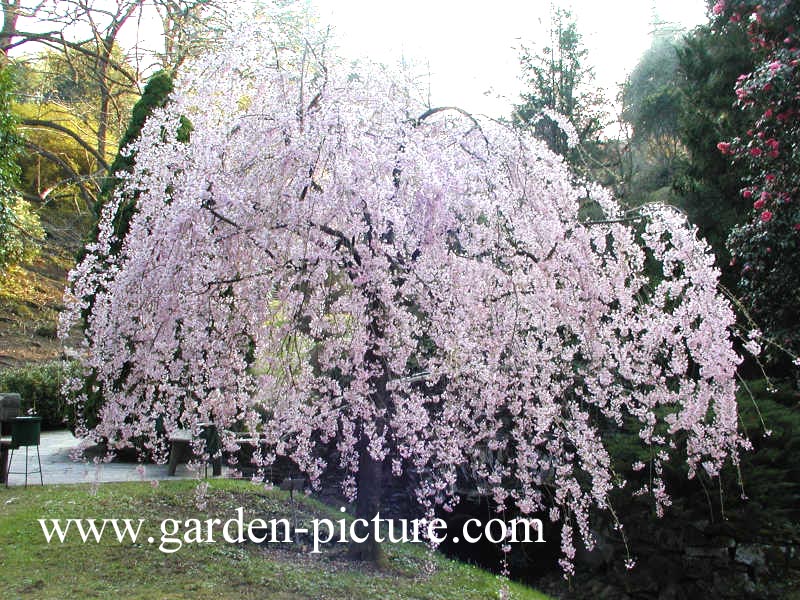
(366, 280)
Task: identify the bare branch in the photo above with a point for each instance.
(74, 176)
(60, 128)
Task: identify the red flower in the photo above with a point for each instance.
(724, 147)
(756, 152)
(768, 113)
(766, 216)
(770, 177)
(747, 194)
(759, 204)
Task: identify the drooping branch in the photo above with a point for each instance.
(66, 131)
(432, 111)
(73, 176)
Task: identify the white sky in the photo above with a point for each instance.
(470, 45)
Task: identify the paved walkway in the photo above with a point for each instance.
(58, 467)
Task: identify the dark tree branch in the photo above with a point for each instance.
(55, 126)
(73, 176)
(56, 40)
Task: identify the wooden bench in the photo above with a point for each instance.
(180, 449)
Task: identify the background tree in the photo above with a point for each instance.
(70, 79)
(57, 170)
(652, 105)
(190, 28)
(20, 231)
(57, 106)
(85, 70)
(560, 82)
(708, 186)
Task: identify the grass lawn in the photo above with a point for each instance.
(31, 568)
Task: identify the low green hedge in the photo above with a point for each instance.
(40, 388)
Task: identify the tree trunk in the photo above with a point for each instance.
(105, 98)
(10, 16)
(370, 471)
(368, 504)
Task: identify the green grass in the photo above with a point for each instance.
(31, 568)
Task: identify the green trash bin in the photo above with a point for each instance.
(25, 432)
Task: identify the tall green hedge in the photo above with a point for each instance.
(40, 388)
(155, 95)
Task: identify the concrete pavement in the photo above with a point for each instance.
(58, 467)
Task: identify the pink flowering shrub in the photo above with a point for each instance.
(329, 261)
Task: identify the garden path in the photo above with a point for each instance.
(58, 467)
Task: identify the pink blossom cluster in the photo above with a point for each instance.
(330, 264)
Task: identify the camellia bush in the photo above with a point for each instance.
(766, 249)
(329, 263)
